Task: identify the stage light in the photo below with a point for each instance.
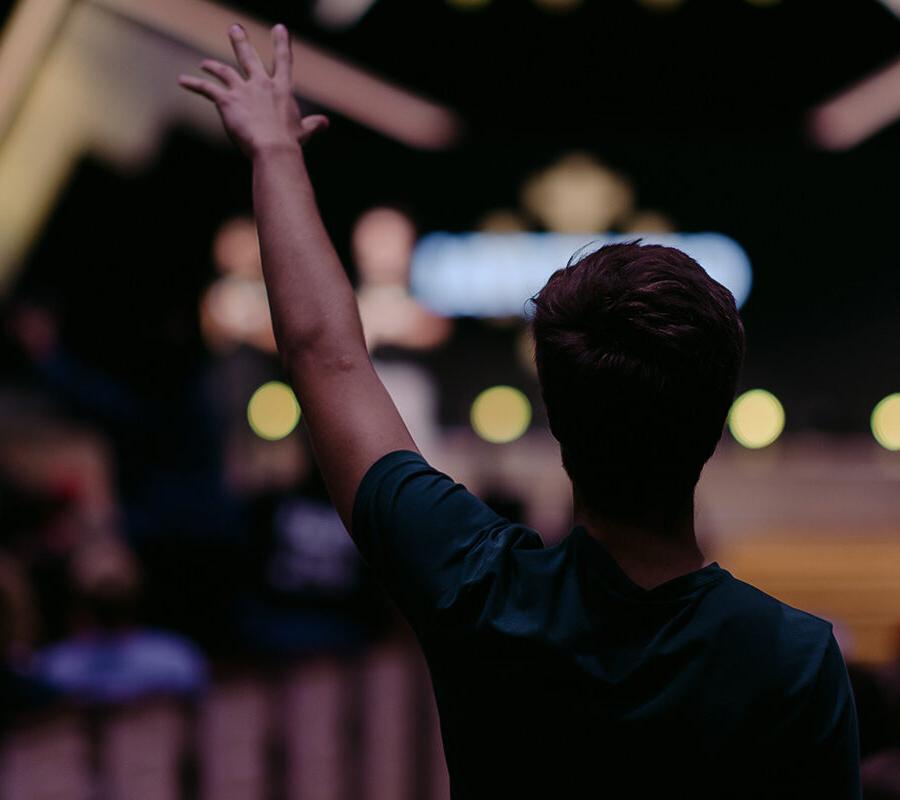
(886, 422)
(273, 411)
(756, 419)
(340, 14)
(500, 414)
(236, 248)
(382, 242)
(577, 194)
(494, 274)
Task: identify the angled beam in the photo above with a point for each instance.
(28, 35)
(320, 77)
(852, 116)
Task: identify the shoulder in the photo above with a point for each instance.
(789, 640)
(783, 629)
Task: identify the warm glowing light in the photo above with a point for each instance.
(501, 414)
(577, 194)
(236, 248)
(235, 310)
(383, 240)
(340, 14)
(756, 419)
(273, 411)
(886, 422)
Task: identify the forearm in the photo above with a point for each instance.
(312, 302)
(351, 418)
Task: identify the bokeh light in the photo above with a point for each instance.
(235, 248)
(578, 194)
(756, 419)
(273, 411)
(382, 242)
(886, 422)
(501, 414)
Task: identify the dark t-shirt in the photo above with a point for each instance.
(557, 676)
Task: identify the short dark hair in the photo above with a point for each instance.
(638, 353)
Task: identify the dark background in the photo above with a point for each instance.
(703, 108)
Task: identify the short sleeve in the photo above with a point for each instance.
(436, 547)
(823, 749)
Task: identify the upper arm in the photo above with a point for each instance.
(823, 746)
(435, 546)
(351, 418)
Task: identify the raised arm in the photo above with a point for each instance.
(351, 418)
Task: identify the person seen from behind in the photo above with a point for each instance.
(618, 662)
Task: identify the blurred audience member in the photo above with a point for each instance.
(110, 658)
(20, 692)
(307, 589)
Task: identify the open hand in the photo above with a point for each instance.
(258, 109)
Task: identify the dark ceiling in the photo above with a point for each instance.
(702, 108)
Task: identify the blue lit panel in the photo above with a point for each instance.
(494, 274)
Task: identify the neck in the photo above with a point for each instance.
(650, 551)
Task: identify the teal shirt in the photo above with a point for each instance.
(556, 676)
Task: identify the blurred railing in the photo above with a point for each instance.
(322, 729)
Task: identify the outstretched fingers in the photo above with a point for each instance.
(281, 44)
(245, 53)
(208, 89)
(225, 73)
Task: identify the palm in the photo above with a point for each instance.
(258, 111)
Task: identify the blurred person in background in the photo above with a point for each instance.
(306, 591)
(110, 657)
(177, 513)
(618, 661)
(38, 531)
(21, 692)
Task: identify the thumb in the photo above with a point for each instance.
(310, 126)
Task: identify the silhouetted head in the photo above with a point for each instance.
(638, 352)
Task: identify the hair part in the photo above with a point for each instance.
(638, 352)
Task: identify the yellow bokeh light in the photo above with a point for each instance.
(756, 419)
(273, 411)
(578, 194)
(886, 422)
(500, 414)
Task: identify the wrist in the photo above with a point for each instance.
(275, 150)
